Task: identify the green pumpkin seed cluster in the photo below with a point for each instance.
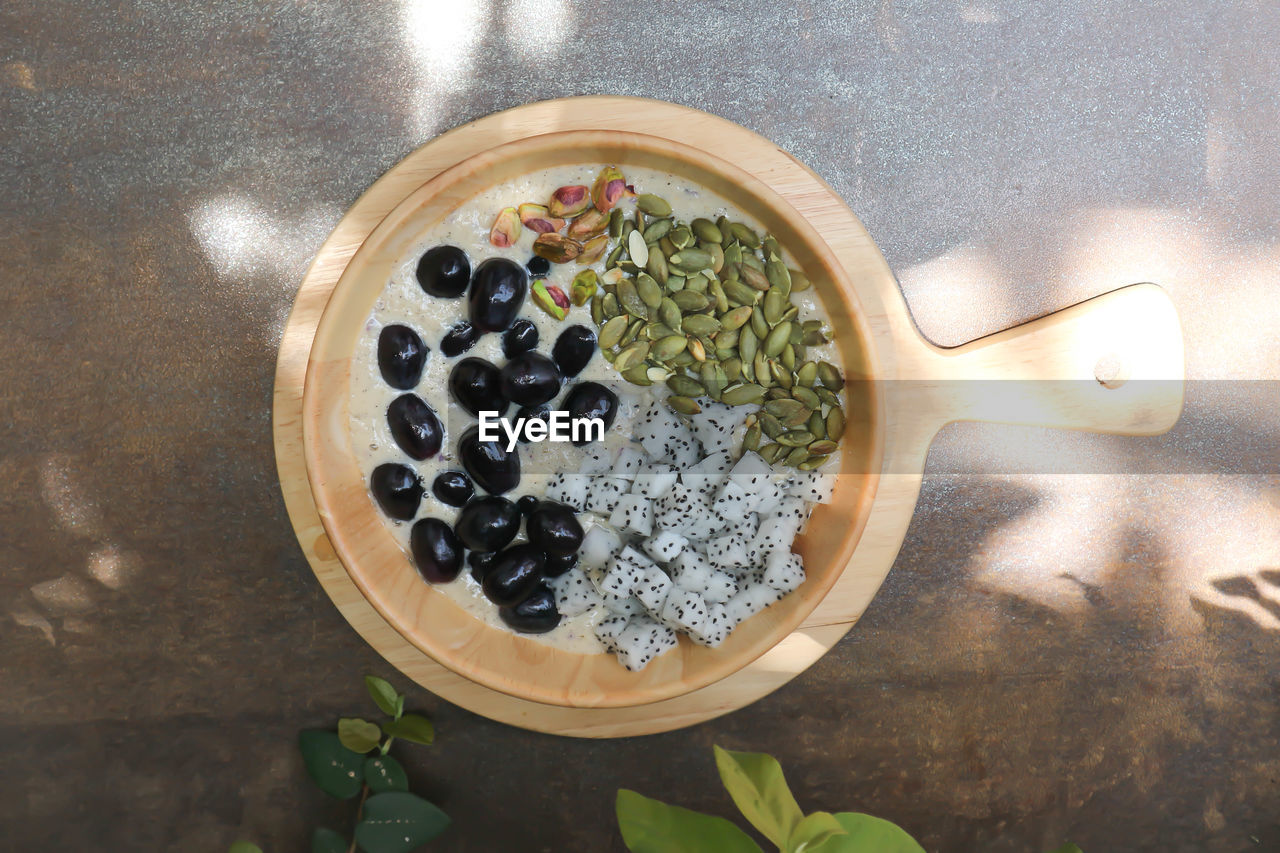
(706, 308)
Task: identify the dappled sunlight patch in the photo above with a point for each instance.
(65, 594)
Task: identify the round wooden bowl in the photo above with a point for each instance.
(518, 665)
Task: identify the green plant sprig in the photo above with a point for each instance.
(355, 761)
(755, 782)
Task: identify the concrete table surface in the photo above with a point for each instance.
(1087, 650)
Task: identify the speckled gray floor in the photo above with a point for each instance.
(1069, 656)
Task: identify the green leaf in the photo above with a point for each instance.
(384, 773)
(382, 694)
(413, 728)
(244, 847)
(359, 735)
(757, 786)
(396, 822)
(327, 841)
(812, 831)
(865, 834)
(399, 706)
(331, 765)
(650, 826)
(1068, 848)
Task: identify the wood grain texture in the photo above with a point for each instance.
(921, 395)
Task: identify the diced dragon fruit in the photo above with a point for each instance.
(665, 545)
(596, 460)
(776, 533)
(627, 605)
(744, 526)
(600, 544)
(652, 590)
(569, 489)
(690, 571)
(641, 641)
(605, 493)
(813, 487)
(685, 610)
(784, 572)
(720, 587)
(629, 462)
(793, 507)
(713, 628)
(575, 593)
(622, 576)
(716, 424)
(749, 601)
(729, 553)
(654, 481)
(608, 629)
(633, 513)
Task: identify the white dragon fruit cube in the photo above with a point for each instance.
(569, 489)
(813, 487)
(728, 553)
(732, 501)
(744, 527)
(633, 513)
(596, 460)
(703, 523)
(690, 571)
(685, 610)
(716, 424)
(604, 494)
(643, 640)
(665, 545)
(776, 533)
(600, 544)
(622, 576)
(784, 572)
(626, 605)
(749, 601)
(766, 495)
(791, 507)
(629, 462)
(653, 589)
(720, 587)
(575, 593)
(654, 481)
(608, 629)
(714, 627)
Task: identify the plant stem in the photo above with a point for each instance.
(364, 795)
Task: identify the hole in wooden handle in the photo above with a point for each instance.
(1110, 371)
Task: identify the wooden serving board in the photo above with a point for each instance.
(1131, 334)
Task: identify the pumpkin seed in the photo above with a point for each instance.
(657, 267)
(813, 463)
(795, 457)
(775, 302)
(777, 339)
(612, 331)
(701, 324)
(751, 440)
(656, 230)
(823, 447)
(771, 452)
(638, 249)
(726, 236)
(669, 313)
(732, 254)
(799, 281)
(705, 229)
(657, 374)
(763, 374)
(684, 405)
(748, 343)
(744, 235)
(835, 423)
(627, 227)
(637, 374)
(690, 260)
(739, 293)
(697, 282)
(630, 300)
(790, 412)
(732, 366)
(806, 396)
(827, 396)
(685, 385)
(610, 305)
(612, 260)
(745, 394)
(772, 426)
(796, 438)
(753, 277)
(758, 323)
(633, 354)
(770, 247)
(817, 425)
(736, 318)
(713, 377)
(653, 205)
(597, 309)
(788, 357)
(778, 276)
(674, 282)
(717, 257)
(683, 359)
(780, 374)
(696, 349)
(748, 371)
(722, 301)
(669, 347)
(681, 236)
(640, 220)
(830, 376)
(750, 260)
(648, 290)
(658, 331)
(615, 223)
(690, 301)
(807, 374)
(776, 393)
(633, 331)
(727, 338)
(609, 355)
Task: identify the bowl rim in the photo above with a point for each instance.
(315, 420)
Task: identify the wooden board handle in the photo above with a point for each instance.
(1112, 364)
